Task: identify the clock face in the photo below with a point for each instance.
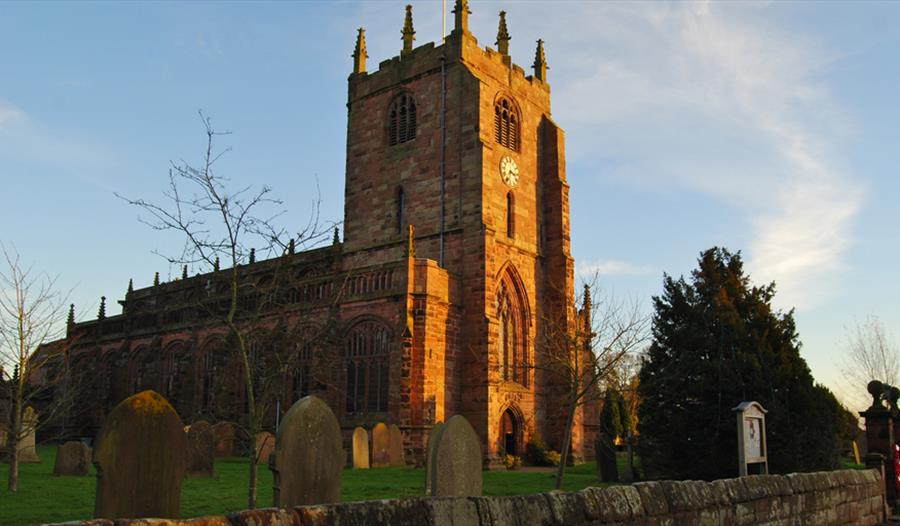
(509, 172)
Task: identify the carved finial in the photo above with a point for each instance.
(411, 242)
(540, 62)
(184, 272)
(503, 35)
(156, 279)
(461, 12)
(101, 313)
(337, 237)
(409, 34)
(216, 264)
(359, 53)
(291, 246)
(130, 287)
(252, 256)
(71, 319)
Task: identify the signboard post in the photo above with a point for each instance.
(751, 434)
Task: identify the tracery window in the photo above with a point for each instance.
(512, 345)
(367, 356)
(506, 124)
(402, 120)
(301, 379)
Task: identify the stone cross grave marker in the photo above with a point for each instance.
(360, 448)
(435, 429)
(381, 446)
(395, 453)
(141, 458)
(308, 456)
(201, 449)
(72, 458)
(456, 460)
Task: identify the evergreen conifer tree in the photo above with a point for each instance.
(717, 341)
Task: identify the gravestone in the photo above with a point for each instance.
(435, 429)
(224, 433)
(381, 446)
(455, 460)
(141, 458)
(360, 448)
(395, 453)
(201, 449)
(72, 458)
(265, 444)
(308, 456)
(27, 450)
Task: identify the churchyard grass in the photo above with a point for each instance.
(43, 497)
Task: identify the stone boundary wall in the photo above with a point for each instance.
(820, 499)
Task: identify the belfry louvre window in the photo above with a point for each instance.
(402, 120)
(506, 124)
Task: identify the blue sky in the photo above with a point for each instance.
(766, 127)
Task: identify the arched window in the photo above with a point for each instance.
(506, 124)
(367, 355)
(301, 380)
(510, 215)
(402, 120)
(177, 378)
(512, 334)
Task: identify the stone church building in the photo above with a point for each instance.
(453, 274)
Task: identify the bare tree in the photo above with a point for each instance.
(580, 359)
(221, 224)
(870, 354)
(32, 314)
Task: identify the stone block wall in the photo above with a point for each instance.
(820, 499)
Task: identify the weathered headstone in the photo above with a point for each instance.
(360, 448)
(27, 450)
(381, 446)
(141, 458)
(456, 460)
(201, 449)
(395, 453)
(72, 458)
(435, 429)
(224, 432)
(265, 445)
(308, 456)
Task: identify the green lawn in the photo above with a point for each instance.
(43, 497)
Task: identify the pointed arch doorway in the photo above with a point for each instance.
(511, 433)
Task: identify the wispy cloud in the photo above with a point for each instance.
(9, 114)
(613, 267)
(720, 100)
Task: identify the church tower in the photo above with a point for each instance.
(452, 150)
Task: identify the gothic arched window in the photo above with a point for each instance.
(402, 120)
(367, 357)
(301, 380)
(506, 124)
(512, 334)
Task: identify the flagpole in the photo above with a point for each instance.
(443, 19)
